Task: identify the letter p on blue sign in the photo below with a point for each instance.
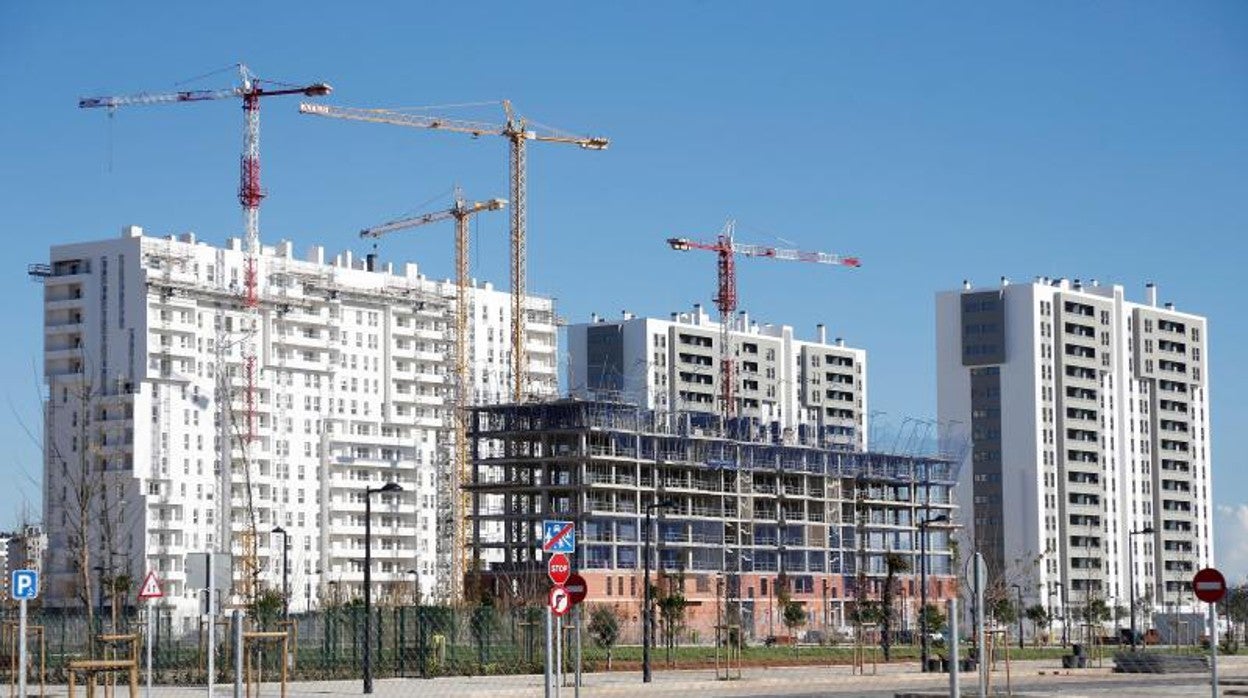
(24, 584)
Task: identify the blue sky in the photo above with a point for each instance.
(937, 141)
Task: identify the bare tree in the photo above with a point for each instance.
(81, 483)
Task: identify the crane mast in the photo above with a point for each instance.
(461, 212)
(250, 194)
(726, 249)
(518, 132)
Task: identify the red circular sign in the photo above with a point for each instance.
(559, 568)
(577, 588)
(560, 602)
(1209, 585)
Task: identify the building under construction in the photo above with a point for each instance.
(744, 507)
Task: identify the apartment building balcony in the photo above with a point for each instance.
(378, 554)
(173, 348)
(430, 378)
(407, 529)
(62, 326)
(62, 274)
(622, 506)
(69, 352)
(611, 479)
(174, 323)
(300, 339)
(302, 316)
(299, 363)
(542, 368)
(68, 303)
(428, 355)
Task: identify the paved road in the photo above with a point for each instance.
(797, 682)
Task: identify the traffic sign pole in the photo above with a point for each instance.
(151, 633)
(21, 652)
(550, 621)
(1213, 646)
(212, 627)
(1210, 586)
(23, 586)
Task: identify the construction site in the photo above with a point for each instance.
(740, 517)
(242, 405)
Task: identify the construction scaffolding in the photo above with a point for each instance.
(755, 505)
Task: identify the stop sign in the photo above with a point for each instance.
(577, 588)
(559, 568)
(1209, 585)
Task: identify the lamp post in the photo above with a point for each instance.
(648, 612)
(415, 587)
(923, 585)
(368, 578)
(99, 603)
(1061, 598)
(285, 571)
(1019, 612)
(1146, 531)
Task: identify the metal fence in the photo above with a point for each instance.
(408, 641)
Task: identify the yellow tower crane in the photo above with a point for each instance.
(461, 211)
(518, 131)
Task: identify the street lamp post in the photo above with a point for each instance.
(368, 578)
(415, 587)
(99, 603)
(1147, 530)
(1019, 612)
(1061, 598)
(648, 611)
(285, 571)
(923, 586)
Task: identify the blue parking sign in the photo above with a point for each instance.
(24, 585)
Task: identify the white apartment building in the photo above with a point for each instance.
(1089, 420)
(672, 366)
(147, 398)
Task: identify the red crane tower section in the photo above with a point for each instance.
(250, 193)
(726, 297)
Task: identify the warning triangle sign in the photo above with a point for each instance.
(151, 587)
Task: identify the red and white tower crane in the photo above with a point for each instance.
(250, 194)
(726, 296)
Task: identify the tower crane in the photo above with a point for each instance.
(250, 89)
(518, 131)
(461, 211)
(726, 296)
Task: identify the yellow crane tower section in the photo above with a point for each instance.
(461, 211)
(519, 132)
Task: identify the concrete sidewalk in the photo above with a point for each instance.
(805, 680)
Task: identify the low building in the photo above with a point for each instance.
(734, 516)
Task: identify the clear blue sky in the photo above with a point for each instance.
(938, 141)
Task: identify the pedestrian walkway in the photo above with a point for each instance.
(1041, 677)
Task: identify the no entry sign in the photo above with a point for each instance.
(559, 568)
(577, 588)
(1209, 585)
